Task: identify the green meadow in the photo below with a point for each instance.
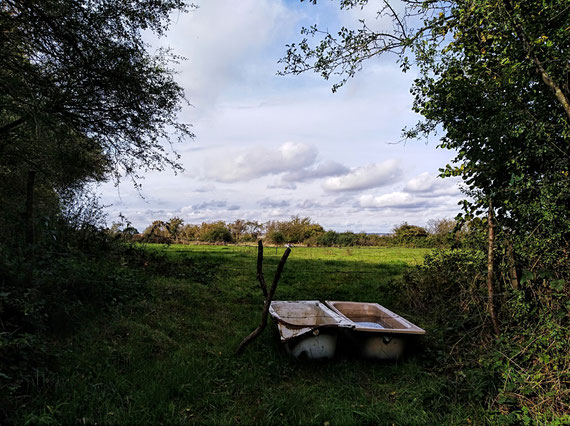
(168, 356)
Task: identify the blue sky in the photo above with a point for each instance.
(269, 147)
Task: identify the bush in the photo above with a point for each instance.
(449, 276)
(218, 234)
(328, 239)
(410, 234)
(523, 375)
(276, 237)
(79, 272)
(347, 239)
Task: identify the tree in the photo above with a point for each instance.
(218, 234)
(253, 229)
(344, 54)
(174, 227)
(157, 232)
(441, 226)
(510, 132)
(493, 75)
(409, 234)
(190, 232)
(81, 69)
(238, 229)
(81, 97)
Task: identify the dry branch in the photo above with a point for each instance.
(260, 276)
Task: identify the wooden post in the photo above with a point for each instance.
(260, 276)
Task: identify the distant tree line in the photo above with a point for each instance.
(297, 230)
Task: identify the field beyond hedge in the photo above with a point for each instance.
(169, 356)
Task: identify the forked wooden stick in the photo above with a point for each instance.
(268, 296)
(260, 276)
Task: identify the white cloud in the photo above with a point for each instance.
(327, 168)
(205, 188)
(366, 177)
(400, 200)
(239, 103)
(267, 202)
(209, 205)
(259, 161)
(428, 185)
(282, 185)
(309, 204)
(224, 42)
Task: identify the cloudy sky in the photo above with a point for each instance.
(269, 147)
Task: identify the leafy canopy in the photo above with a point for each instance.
(78, 73)
(494, 76)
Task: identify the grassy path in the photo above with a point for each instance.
(169, 356)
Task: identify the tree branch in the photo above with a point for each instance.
(6, 128)
(490, 261)
(558, 93)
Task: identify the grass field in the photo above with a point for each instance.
(169, 356)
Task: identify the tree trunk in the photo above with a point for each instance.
(29, 226)
(29, 212)
(511, 264)
(490, 261)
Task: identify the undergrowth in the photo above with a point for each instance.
(62, 289)
(523, 375)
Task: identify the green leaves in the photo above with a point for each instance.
(527, 276)
(557, 285)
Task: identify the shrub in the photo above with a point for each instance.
(328, 239)
(77, 273)
(409, 234)
(523, 375)
(347, 239)
(276, 237)
(218, 234)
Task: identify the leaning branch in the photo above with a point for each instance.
(6, 128)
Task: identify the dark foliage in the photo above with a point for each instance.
(520, 376)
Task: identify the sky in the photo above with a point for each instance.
(269, 147)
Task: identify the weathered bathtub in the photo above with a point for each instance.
(311, 329)
(308, 328)
(378, 333)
